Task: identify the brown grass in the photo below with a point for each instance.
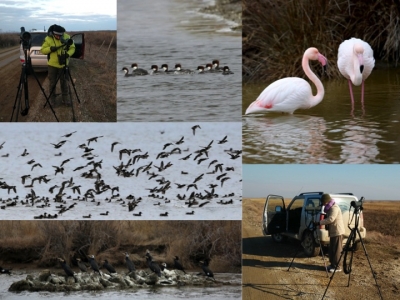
(382, 217)
(276, 33)
(192, 241)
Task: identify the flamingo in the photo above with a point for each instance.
(355, 62)
(291, 93)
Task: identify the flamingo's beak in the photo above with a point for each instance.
(361, 61)
(323, 61)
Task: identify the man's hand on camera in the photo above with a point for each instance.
(53, 48)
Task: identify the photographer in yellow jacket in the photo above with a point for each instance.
(59, 47)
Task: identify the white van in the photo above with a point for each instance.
(296, 220)
(38, 59)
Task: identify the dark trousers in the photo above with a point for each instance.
(53, 74)
(335, 249)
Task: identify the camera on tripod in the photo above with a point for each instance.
(25, 38)
(357, 205)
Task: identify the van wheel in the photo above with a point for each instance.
(308, 244)
(278, 238)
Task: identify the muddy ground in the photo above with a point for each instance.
(95, 83)
(265, 263)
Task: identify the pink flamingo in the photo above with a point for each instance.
(355, 62)
(291, 93)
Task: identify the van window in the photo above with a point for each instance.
(344, 204)
(37, 39)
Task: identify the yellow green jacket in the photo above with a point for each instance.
(52, 57)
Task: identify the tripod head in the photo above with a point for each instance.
(25, 39)
(357, 205)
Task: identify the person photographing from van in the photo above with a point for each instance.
(59, 47)
(336, 230)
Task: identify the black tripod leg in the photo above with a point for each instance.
(72, 103)
(372, 271)
(17, 102)
(26, 94)
(73, 85)
(333, 274)
(297, 252)
(323, 256)
(346, 247)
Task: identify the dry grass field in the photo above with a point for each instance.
(265, 263)
(95, 82)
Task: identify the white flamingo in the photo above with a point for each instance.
(291, 93)
(355, 62)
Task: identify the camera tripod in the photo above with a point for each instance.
(350, 247)
(65, 75)
(311, 228)
(23, 88)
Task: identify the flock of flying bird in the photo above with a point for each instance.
(209, 68)
(159, 270)
(203, 183)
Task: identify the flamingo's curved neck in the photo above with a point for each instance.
(320, 88)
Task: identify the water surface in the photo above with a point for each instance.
(171, 32)
(333, 131)
(168, 293)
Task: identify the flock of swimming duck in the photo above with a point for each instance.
(209, 68)
(161, 177)
(159, 270)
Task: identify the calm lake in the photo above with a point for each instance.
(331, 132)
(169, 32)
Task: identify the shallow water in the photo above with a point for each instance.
(333, 131)
(171, 32)
(168, 293)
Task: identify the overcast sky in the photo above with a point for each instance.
(73, 15)
(374, 182)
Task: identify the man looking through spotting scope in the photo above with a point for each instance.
(59, 47)
(336, 230)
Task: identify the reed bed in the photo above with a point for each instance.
(277, 32)
(43, 241)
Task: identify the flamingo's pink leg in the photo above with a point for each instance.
(362, 93)
(351, 93)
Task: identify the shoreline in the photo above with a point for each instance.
(230, 10)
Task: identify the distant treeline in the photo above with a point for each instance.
(9, 40)
(277, 32)
(94, 37)
(41, 242)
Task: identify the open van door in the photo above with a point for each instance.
(79, 41)
(274, 216)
